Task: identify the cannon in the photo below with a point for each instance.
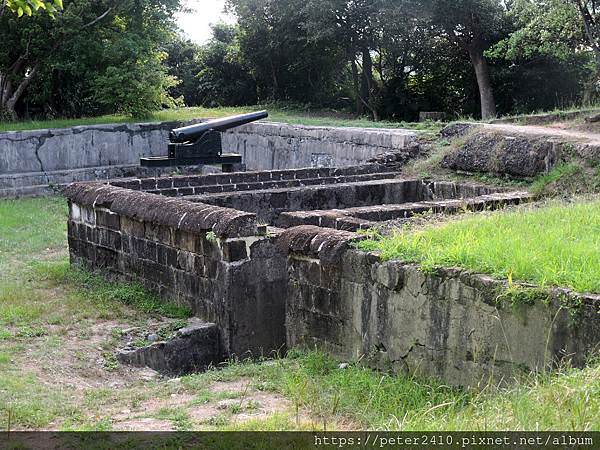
(202, 143)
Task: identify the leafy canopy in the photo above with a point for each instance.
(28, 7)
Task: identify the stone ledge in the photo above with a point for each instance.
(192, 349)
(176, 213)
(326, 244)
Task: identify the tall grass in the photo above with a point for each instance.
(363, 398)
(554, 245)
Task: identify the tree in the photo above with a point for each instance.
(548, 53)
(224, 79)
(471, 25)
(284, 60)
(28, 7)
(351, 26)
(183, 63)
(82, 44)
(589, 11)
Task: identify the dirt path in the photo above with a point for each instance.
(556, 130)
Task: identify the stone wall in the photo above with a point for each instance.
(267, 146)
(268, 288)
(446, 324)
(519, 152)
(217, 260)
(31, 162)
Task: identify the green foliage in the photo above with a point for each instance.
(137, 87)
(102, 292)
(31, 226)
(29, 7)
(548, 28)
(517, 296)
(315, 383)
(95, 57)
(383, 59)
(567, 179)
(555, 245)
(286, 61)
(294, 114)
(183, 63)
(223, 78)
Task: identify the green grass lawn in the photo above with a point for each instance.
(276, 114)
(59, 329)
(554, 245)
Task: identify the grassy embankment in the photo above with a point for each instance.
(59, 329)
(277, 113)
(555, 245)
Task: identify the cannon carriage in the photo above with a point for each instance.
(202, 144)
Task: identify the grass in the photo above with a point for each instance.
(554, 245)
(365, 399)
(566, 180)
(31, 226)
(44, 304)
(558, 111)
(105, 294)
(46, 309)
(277, 113)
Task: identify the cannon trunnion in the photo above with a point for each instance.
(202, 143)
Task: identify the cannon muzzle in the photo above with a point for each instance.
(193, 132)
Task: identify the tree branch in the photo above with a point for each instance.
(11, 100)
(97, 19)
(24, 85)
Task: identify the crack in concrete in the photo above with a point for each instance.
(41, 142)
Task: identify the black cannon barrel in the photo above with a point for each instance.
(192, 132)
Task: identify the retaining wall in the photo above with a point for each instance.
(217, 260)
(447, 324)
(267, 288)
(31, 161)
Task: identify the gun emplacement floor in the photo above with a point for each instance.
(347, 198)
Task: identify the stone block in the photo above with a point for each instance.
(75, 212)
(108, 219)
(158, 233)
(148, 184)
(184, 240)
(186, 261)
(234, 251)
(105, 258)
(164, 183)
(109, 239)
(192, 349)
(132, 227)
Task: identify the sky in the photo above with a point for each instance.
(196, 23)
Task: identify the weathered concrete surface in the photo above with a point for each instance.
(268, 288)
(193, 349)
(269, 204)
(518, 151)
(365, 217)
(266, 146)
(30, 161)
(446, 324)
(216, 260)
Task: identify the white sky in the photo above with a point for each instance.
(196, 23)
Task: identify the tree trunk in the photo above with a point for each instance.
(359, 104)
(482, 72)
(9, 97)
(367, 77)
